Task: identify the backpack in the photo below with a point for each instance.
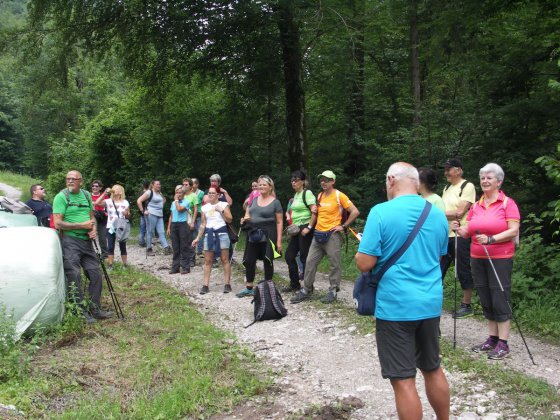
(463, 185)
(268, 302)
(15, 206)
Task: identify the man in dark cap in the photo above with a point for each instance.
(458, 196)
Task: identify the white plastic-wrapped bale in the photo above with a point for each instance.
(32, 284)
(16, 220)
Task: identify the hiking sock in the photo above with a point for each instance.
(494, 338)
(249, 287)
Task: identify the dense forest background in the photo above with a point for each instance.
(131, 90)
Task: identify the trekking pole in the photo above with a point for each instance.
(455, 297)
(146, 237)
(116, 304)
(507, 301)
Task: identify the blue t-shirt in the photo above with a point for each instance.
(411, 289)
(177, 216)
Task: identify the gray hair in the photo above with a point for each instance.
(492, 168)
(216, 177)
(401, 170)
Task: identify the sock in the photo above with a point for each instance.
(494, 338)
(249, 287)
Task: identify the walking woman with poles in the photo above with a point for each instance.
(493, 225)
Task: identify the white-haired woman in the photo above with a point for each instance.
(117, 206)
(493, 223)
(263, 223)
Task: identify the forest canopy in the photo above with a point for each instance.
(131, 90)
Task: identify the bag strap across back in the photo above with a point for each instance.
(394, 258)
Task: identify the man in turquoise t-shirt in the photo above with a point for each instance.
(410, 294)
(73, 216)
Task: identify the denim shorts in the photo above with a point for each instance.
(224, 241)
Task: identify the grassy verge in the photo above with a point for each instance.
(22, 182)
(163, 361)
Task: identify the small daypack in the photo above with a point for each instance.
(268, 302)
(15, 206)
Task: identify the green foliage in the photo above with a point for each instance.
(13, 362)
(21, 182)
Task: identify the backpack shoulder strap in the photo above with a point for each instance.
(303, 197)
(463, 185)
(88, 196)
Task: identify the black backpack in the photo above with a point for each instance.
(268, 302)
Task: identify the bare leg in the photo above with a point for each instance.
(407, 399)
(503, 329)
(467, 296)
(208, 257)
(437, 390)
(124, 259)
(110, 259)
(224, 256)
(493, 328)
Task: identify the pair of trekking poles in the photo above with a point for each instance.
(116, 304)
(501, 288)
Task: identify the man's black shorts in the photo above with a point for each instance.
(404, 346)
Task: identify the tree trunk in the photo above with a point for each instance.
(414, 60)
(356, 123)
(293, 84)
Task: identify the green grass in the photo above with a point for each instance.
(164, 361)
(533, 398)
(22, 182)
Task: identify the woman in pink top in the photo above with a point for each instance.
(493, 221)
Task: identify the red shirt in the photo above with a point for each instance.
(492, 220)
(94, 199)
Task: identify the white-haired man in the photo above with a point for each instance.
(410, 293)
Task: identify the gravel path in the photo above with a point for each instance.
(10, 191)
(320, 361)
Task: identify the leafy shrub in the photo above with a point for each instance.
(12, 360)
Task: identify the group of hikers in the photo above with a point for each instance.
(478, 235)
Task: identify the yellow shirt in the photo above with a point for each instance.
(329, 214)
(452, 199)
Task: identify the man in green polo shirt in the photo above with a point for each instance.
(73, 216)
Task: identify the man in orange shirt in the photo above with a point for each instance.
(327, 237)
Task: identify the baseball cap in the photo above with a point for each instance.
(327, 174)
(453, 163)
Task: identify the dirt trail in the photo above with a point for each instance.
(10, 191)
(320, 360)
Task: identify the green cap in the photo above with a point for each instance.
(327, 174)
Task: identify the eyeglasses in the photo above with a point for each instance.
(296, 179)
(73, 179)
(325, 180)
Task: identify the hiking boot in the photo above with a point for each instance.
(142, 244)
(204, 290)
(300, 297)
(246, 292)
(501, 351)
(150, 252)
(329, 298)
(488, 345)
(291, 289)
(227, 288)
(101, 314)
(110, 267)
(464, 311)
(167, 250)
(173, 271)
(185, 270)
(88, 318)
